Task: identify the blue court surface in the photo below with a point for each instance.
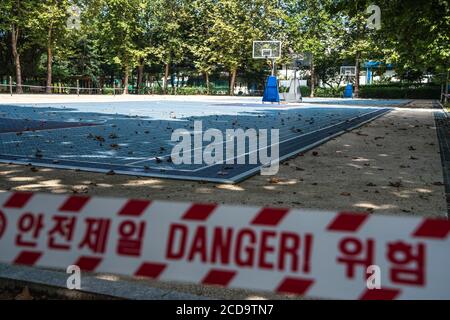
(134, 138)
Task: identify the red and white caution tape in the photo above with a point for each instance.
(306, 252)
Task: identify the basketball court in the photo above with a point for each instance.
(134, 138)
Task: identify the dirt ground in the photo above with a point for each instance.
(391, 165)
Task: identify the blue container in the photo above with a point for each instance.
(271, 91)
(348, 93)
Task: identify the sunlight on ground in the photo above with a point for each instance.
(105, 185)
(22, 179)
(411, 193)
(361, 159)
(46, 184)
(255, 298)
(5, 173)
(108, 277)
(136, 183)
(368, 205)
(230, 187)
(422, 190)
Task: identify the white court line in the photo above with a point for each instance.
(27, 160)
(286, 140)
(234, 180)
(230, 140)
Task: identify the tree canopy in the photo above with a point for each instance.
(200, 39)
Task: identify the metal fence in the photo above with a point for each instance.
(33, 89)
(214, 89)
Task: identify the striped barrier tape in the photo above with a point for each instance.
(304, 252)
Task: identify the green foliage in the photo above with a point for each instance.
(119, 25)
(306, 91)
(417, 34)
(191, 90)
(213, 38)
(400, 92)
(236, 24)
(330, 92)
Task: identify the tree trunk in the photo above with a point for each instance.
(49, 61)
(313, 77)
(172, 83)
(207, 82)
(126, 78)
(166, 76)
(232, 81)
(358, 55)
(140, 76)
(16, 56)
(446, 88)
(101, 84)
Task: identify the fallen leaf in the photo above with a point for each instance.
(113, 136)
(274, 180)
(396, 184)
(24, 295)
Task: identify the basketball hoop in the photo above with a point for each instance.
(348, 71)
(302, 59)
(266, 49)
(269, 50)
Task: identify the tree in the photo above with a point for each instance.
(200, 41)
(210, 37)
(48, 25)
(328, 69)
(119, 25)
(169, 29)
(313, 28)
(13, 17)
(237, 23)
(360, 41)
(426, 33)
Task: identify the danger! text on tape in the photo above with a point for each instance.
(306, 252)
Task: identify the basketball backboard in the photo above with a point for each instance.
(266, 49)
(348, 71)
(302, 59)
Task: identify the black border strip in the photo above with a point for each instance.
(233, 174)
(442, 122)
